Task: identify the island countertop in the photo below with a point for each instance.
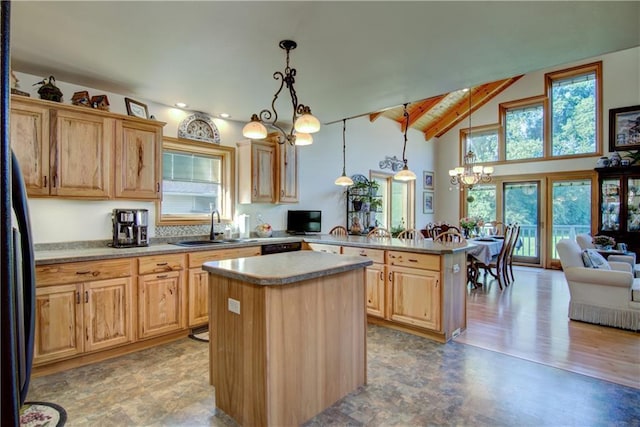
(285, 268)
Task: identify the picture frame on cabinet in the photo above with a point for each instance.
(624, 128)
(427, 180)
(136, 108)
(427, 202)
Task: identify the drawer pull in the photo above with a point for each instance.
(162, 276)
(413, 260)
(160, 264)
(83, 272)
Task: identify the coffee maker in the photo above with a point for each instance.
(130, 227)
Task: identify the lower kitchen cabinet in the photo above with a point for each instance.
(82, 307)
(198, 287)
(414, 297)
(161, 299)
(375, 278)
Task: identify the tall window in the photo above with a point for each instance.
(574, 101)
(196, 180)
(398, 201)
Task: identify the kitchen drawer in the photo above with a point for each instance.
(196, 259)
(376, 255)
(76, 272)
(160, 263)
(321, 247)
(409, 259)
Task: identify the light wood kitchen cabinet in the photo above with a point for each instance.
(30, 143)
(287, 178)
(62, 152)
(413, 291)
(138, 159)
(198, 282)
(256, 172)
(267, 171)
(376, 278)
(320, 247)
(82, 307)
(161, 299)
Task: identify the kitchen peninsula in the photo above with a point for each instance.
(288, 334)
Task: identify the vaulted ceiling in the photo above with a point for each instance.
(436, 115)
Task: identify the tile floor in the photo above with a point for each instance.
(411, 382)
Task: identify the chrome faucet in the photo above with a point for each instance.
(212, 234)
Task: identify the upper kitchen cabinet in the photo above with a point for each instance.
(267, 171)
(78, 152)
(138, 153)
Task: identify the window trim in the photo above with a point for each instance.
(411, 197)
(228, 187)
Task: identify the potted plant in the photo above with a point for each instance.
(374, 186)
(603, 242)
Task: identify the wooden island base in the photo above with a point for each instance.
(294, 349)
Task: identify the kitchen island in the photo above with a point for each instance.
(287, 334)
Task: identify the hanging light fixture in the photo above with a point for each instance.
(304, 123)
(470, 174)
(405, 173)
(343, 179)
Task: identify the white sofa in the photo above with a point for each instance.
(600, 296)
(585, 241)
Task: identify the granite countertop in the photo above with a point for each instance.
(90, 251)
(285, 268)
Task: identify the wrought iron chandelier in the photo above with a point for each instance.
(405, 173)
(304, 123)
(343, 179)
(470, 174)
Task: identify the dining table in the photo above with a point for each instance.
(482, 251)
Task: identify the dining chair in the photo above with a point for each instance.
(338, 230)
(497, 228)
(496, 267)
(427, 231)
(450, 237)
(513, 242)
(379, 233)
(411, 234)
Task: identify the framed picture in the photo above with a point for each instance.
(136, 109)
(624, 128)
(427, 180)
(427, 202)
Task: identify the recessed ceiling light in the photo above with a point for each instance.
(224, 115)
(181, 105)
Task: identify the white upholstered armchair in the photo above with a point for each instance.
(586, 242)
(605, 297)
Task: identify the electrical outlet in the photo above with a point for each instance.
(456, 268)
(234, 306)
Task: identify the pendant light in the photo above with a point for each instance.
(405, 174)
(344, 180)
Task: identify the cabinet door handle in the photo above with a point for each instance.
(381, 276)
(55, 180)
(86, 296)
(157, 187)
(78, 298)
(390, 275)
(437, 282)
(45, 181)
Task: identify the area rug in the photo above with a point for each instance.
(41, 414)
(201, 334)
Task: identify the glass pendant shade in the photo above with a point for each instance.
(307, 123)
(344, 181)
(254, 129)
(303, 138)
(405, 174)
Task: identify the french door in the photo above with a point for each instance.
(521, 204)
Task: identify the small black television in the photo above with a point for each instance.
(303, 222)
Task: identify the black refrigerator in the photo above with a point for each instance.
(17, 279)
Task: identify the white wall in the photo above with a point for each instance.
(60, 220)
(621, 88)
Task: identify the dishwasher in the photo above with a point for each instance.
(276, 248)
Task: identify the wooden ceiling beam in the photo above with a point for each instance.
(480, 95)
(418, 109)
(374, 116)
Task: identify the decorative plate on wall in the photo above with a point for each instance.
(200, 127)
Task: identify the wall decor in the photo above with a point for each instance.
(136, 108)
(427, 180)
(200, 127)
(427, 202)
(393, 163)
(624, 128)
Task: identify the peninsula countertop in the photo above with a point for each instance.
(427, 246)
(285, 268)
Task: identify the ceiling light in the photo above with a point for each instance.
(343, 179)
(405, 173)
(304, 122)
(181, 105)
(470, 174)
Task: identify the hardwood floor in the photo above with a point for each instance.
(529, 320)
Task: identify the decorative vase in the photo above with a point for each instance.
(604, 247)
